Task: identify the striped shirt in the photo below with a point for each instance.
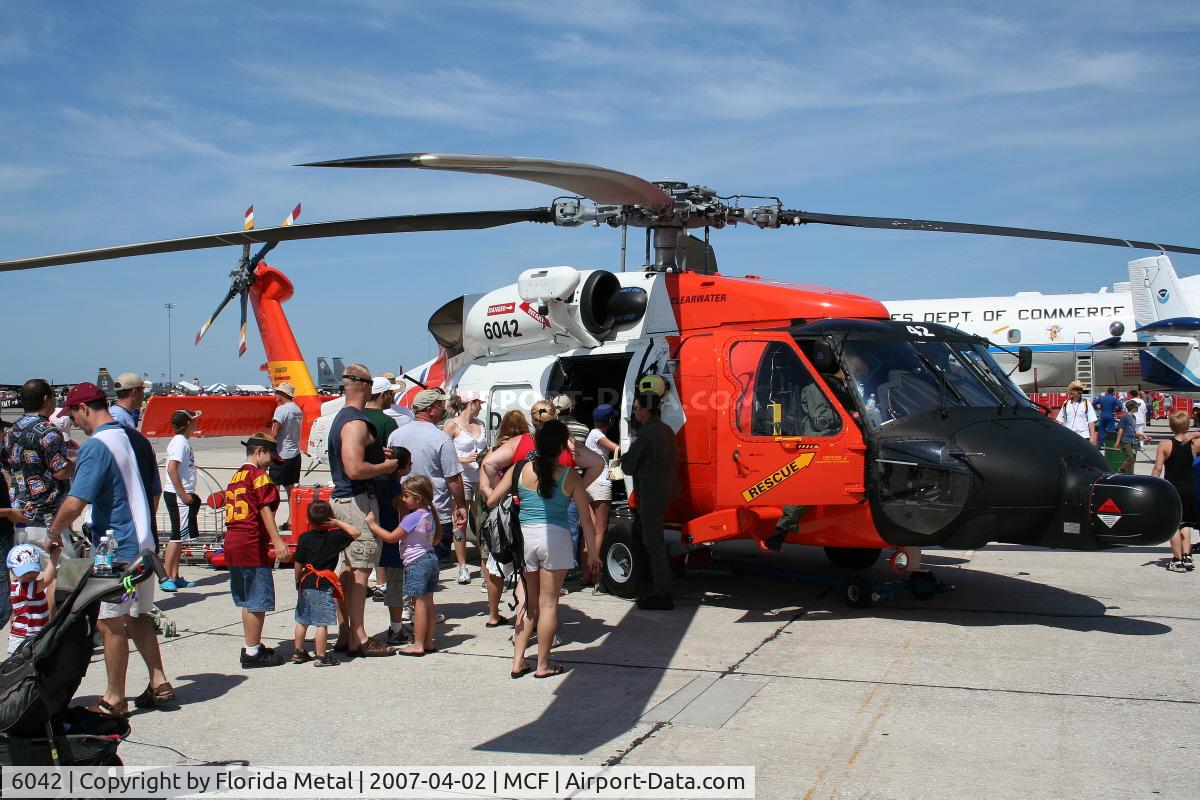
(31, 611)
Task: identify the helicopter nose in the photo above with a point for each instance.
(1133, 510)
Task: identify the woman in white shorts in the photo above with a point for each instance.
(604, 419)
(545, 488)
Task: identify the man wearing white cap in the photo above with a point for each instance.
(285, 427)
(131, 396)
(1077, 413)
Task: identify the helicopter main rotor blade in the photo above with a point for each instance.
(457, 221)
(888, 223)
(599, 184)
(213, 317)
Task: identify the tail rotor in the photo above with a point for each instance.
(242, 278)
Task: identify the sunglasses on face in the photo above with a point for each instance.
(357, 378)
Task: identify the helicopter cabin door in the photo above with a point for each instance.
(786, 440)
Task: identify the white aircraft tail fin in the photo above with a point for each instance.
(1158, 297)
(1165, 322)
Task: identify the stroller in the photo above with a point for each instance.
(37, 682)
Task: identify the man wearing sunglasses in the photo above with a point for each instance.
(355, 459)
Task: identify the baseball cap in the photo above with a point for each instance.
(83, 393)
(427, 398)
(380, 384)
(24, 559)
(286, 388)
(563, 403)
(258, 441)
(128, 380)
(183, 416)
(605, 413)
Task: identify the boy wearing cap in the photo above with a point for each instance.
(131, 396)
(183, 506)
(250, 502)
(31, 572)
(285, 427)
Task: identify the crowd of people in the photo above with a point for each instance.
(1119, 420)
(409, 486)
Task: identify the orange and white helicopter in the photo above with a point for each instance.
(893, 434)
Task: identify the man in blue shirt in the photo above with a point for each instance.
(131, 396)
(117, 474)
(1107, 406)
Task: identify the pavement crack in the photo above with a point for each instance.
(619, 756)
(732, 668)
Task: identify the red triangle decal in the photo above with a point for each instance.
(1109, 507)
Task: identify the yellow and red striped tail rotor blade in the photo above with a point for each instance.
(248, 223)
(292, 217)
(242, 333)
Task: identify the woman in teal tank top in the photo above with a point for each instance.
(544, 489)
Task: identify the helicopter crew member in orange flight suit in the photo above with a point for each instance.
(653, 464)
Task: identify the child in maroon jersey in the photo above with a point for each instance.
(250, 502)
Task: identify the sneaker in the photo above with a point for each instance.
(1187, 562)
(265, 657)
(398, 638)
(464, 574)
(406, 614)
(656, 602)
(1177, 565)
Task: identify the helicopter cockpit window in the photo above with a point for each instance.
(896, 378)
(776, 394)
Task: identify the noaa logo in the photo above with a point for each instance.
(1164, 295)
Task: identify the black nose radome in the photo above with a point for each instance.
(1134, 510)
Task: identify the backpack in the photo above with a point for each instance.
(502, 528)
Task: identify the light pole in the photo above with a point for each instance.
(170, 372)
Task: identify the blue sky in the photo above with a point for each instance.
(133, 121)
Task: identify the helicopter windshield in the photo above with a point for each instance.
(895, 378)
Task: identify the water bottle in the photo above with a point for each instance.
(102, 558)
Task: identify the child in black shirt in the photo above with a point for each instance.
(318, 586)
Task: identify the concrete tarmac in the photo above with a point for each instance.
(1045, 674)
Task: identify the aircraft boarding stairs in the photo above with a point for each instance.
(1083, 361)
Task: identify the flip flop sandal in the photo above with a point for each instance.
(503, 621)
(514, 675)
(105, 709)
(557, 669)
(413, 653)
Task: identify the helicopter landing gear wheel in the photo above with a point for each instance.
(923, 585)
(858, 593)
(852, 557)
(623, 560)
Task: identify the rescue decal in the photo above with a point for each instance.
(501, 308)
(529, 309)
(1109, 519)
(778, 476)
(1109, 507)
